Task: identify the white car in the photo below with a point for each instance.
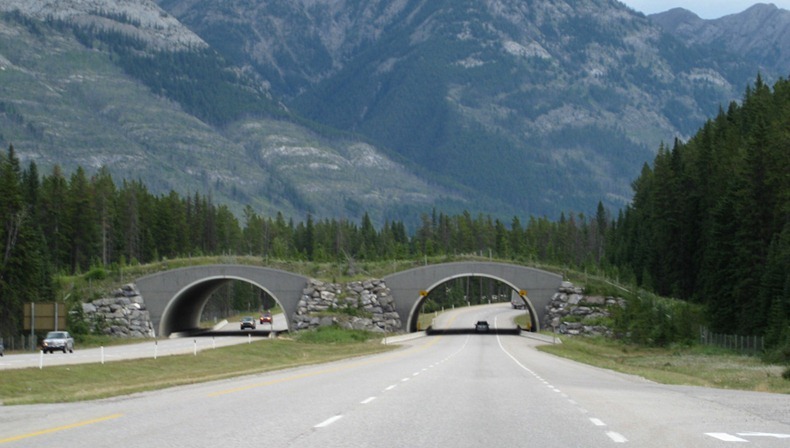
(58, 340)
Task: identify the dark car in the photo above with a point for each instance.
(2, 349)
(266, 318)
(247, 322)
(481, 326)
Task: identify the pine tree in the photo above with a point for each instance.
(81, 215)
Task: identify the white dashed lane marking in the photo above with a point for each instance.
(618, 438)
(723, 436)
(328, 421)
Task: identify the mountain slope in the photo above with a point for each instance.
(91, 97)
(546, 105)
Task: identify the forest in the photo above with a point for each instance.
(709, 224)
(710, 219)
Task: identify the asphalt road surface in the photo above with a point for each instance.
(472, 390)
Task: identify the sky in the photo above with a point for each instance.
(707, 9)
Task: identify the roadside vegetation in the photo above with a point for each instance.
(692, 365)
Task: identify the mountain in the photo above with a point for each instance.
(337, 107)
(125, 85)
(759, 35)
(546, 105)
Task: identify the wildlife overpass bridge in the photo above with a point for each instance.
(175, 299)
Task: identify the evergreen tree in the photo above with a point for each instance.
(54, 221)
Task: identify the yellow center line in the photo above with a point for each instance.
(324, 371)
(59, 428)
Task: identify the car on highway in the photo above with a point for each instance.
(266, 318)
(2, 349)
(58, 340)
(247, 322)
(481, 326)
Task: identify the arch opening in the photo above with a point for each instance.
(470, 289)
(196, 307)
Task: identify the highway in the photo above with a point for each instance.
(466, 390)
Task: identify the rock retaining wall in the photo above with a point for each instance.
(123, 315)
(574, 313)
(366, 305)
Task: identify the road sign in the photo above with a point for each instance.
(44, 316)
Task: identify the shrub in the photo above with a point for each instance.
(332, 334)
(96, 274)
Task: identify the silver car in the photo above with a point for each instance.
(248, 322)
(58, 340)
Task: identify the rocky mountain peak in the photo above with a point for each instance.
(760, 34)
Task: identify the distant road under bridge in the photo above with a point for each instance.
(175, 299)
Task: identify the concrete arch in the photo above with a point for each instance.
(175, 299)
(407, 286)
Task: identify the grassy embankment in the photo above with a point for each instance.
(692, 366)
